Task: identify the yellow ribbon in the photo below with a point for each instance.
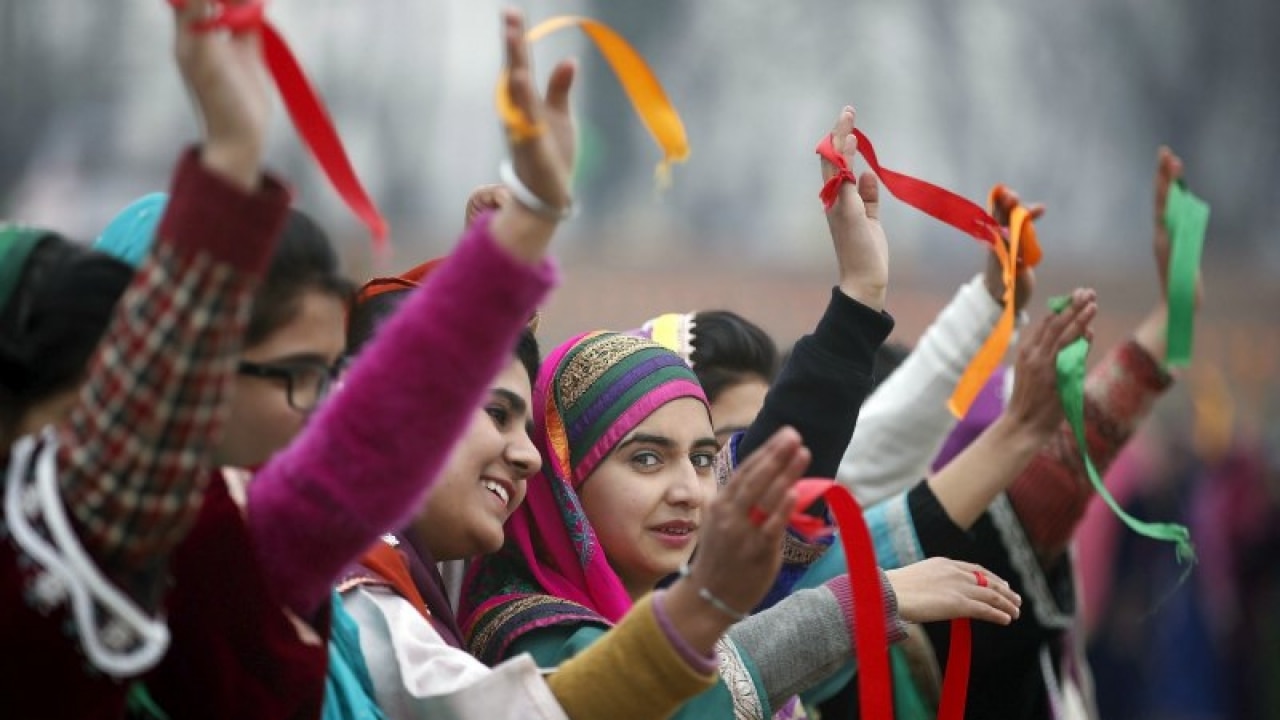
(637, 79)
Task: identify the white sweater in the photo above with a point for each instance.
(905, 421)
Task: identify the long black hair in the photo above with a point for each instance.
(51, 321)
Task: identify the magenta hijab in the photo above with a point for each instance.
(591, 392)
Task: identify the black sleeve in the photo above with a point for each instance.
(822, 387)
(938, 534)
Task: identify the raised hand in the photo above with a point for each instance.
(1034, 404)
(542, 148)
(1006, 200)
(862, 252)
(740, 547)
(1168, 171)
(544, 161)
(970, 482)
(943, 589)
(224, 74)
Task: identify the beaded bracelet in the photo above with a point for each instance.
(714, 601)
(528, 199)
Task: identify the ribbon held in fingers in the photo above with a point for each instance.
(1071, 380)
(875, 688)
(970, 219)
(1185, 217)
(831, 188)
(1022, 245)
(638, 81)
(304, 107)
(1029, 255)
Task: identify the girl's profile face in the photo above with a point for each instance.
(484, 480)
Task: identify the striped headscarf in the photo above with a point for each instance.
(592, 391)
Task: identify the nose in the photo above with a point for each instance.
(522, 454)
(685, 487)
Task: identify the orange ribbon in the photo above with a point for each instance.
(638, 81)
(875, 686)
(972, 220)
(304, 106)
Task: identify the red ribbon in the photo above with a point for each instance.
(831, 188)
(930, 199)
(304, 107)
(875, 686)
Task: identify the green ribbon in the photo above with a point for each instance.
(1071, 376)
(140, 703)
(1185, 217)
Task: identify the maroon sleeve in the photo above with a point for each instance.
(133, 458)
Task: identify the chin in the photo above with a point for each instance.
(490, 544)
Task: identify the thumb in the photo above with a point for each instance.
(869, 191)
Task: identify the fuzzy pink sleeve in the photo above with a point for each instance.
(367, 460)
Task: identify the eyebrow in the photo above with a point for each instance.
(665, 442)
(517, 403)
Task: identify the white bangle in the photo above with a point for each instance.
(712, 600)
(527, 199)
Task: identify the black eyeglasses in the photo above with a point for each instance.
(307, 383)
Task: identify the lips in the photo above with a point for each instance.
(501, 489)
(676, 528)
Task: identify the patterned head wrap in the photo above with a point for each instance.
(592, 391)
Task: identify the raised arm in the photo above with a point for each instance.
(1051, 495)
(905, 421)
(970, 482)
(821, 389)
(369, 456)
(133, 458)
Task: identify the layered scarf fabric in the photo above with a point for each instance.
(592, 391)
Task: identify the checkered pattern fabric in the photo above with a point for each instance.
(136, 454)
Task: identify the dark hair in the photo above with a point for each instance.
(304, 260)
(728, 349)
(52, 322)
(888, 357)
(367, 315)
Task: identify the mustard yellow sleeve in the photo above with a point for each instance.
(631, 666)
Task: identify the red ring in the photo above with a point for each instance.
(982, 579)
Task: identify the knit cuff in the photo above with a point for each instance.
(852, 331)
(701, 664)
(841, 587)
(894, 625)
(1145, 370)
(206, 213)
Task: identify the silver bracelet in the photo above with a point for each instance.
(530, 201)
(714, 601)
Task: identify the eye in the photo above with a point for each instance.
(702, 460)
(646, 459)
(499, 413)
